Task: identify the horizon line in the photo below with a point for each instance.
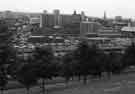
(36, 12)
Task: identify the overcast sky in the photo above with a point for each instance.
(125, 8)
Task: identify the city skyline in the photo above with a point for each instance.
(90, 7)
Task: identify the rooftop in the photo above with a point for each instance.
(128, 29)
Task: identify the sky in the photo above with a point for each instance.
(125, 8)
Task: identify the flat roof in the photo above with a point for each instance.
(128, 29)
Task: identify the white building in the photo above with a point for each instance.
(34, 20)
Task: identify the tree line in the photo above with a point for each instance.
(84, 62)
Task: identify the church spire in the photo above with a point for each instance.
(105, 15)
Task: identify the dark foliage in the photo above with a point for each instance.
(128, 57)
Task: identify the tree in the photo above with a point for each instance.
(68, 66)
(5, 35)
(128, 57)
(112, 63)
(44, 64)
(116, 63)
(82, 57)
(5, 41)
(27, 76)
(3, 79)
(15, 63)
(87, 58)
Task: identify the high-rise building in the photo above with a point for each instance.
(57, 18)
(41, 21)
(46, 20)
(87, 27)
(66, 19)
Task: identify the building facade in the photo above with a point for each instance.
(57, 19)
(87, 27)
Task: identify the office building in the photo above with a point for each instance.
(66, 19)
(118, 18)
(87, 27)
(76, 18)
(109, 33)
(47, 20)
(43, 18)
(34, 20)
(57, 19)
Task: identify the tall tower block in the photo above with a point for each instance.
(57, 18)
